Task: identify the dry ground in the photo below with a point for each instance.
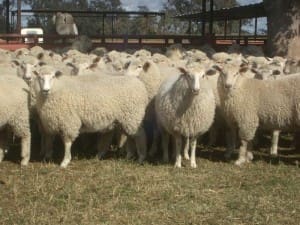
(116, 191)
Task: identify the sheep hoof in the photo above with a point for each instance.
(177, 165)
(1, 156)
(100, 156)
(249, 156)
(24, 162)
(64, 164)
(193, 165)
(186, 157)
(166, 160)
(141, 160)
(130, 156)
(227, 155)
(47, 159)
(273, 152)
(152, 152)
(239, 162)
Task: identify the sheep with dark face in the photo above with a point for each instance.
(65, 24)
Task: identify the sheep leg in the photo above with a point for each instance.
(230, 142)
(193, 152)
(141, 145)
(122, 140)
(3, 144)
(103, 144)
(212, 135)
(1, 155)
(274, 146)
(25, 152)
(47, 148)
(186, 148)
(153, 148)
(130, 149)
(244, 155)
(67, 156)
(178, 145)
(165, 137)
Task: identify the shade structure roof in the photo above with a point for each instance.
(235, 13)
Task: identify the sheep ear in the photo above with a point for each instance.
(268, 58)
(15, 63)
(253, 70)
(183, 70)
(245, 61)
(74, 71)
(40, 56)
(35, 73)
(107, 59)
(146, 66)
(58, 74)
(64, 58)
(126, 65)
(42, 64)
(70, 64)
(96, 60)
(243, 69)
(216, 67)
(210, 72)
(276, 72)
(19, 53)
(92, 66)
(254, 65)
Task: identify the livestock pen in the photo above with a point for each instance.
(120, 191)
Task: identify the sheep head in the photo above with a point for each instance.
(195, 73)
(230, 73)
(45, 76)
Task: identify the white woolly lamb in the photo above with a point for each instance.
(249, 103)
(71, 105)
(185, 106)
(14, 112)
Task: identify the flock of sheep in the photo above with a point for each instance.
(182, 94)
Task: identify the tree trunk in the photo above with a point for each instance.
(283, 27)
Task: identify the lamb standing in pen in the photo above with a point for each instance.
(71, 105)
(185, 106)
(15, 112)
(250, 103)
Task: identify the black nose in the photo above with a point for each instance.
(228, 86)
(195, 91)
(46, 91)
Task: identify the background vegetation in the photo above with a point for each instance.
(124, 24)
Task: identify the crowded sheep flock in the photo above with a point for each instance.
(181, 93)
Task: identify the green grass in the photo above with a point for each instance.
(116, 191)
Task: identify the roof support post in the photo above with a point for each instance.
(211, 17)
(19, 4)
(240, 28)
(255, 28)
(225, 28)
(203, 18)
(7, 16)
(103, 25)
